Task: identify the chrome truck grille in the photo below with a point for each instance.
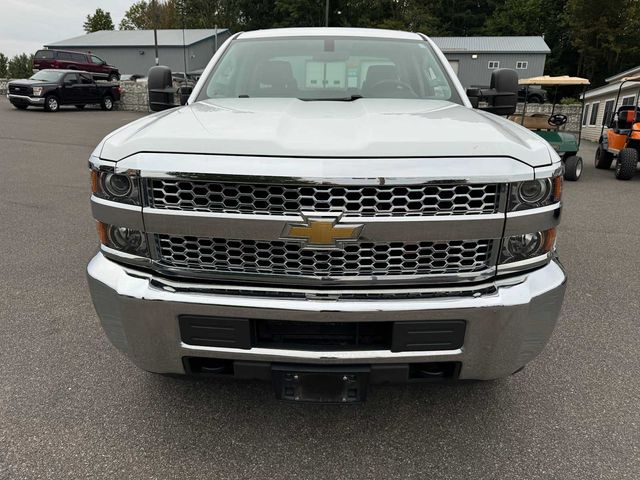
(289, 258)
(201, 196)
(261, 253)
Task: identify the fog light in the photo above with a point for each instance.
(123, 238)
(117, 185)
(528, 245)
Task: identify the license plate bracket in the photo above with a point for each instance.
(320, 385)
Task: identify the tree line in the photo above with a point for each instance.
(586, 37)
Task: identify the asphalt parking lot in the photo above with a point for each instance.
(72, 407)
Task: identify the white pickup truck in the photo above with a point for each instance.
(328, 210)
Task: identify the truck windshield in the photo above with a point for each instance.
(329, 68)
(47, 76)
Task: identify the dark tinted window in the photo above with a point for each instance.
(44, 54)
(96, 60)
(78, 57)
(85, 78)
(71, 78)
(65, 56)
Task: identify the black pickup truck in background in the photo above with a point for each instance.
(52, 88)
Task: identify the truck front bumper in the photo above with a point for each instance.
(508, 321)
(25, 100)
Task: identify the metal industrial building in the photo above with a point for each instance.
(132, 51)
(474, 58)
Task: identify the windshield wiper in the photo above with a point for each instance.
(333, 99)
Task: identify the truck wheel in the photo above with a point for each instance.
(113, 77)
(572, 168)
(107, 103)
(535, 99)
(603, 158)
(51, 103)
(80, 107)
(626, 164)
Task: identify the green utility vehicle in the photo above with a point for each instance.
(553, 127)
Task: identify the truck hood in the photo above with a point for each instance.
(30, 83)
(295, 128)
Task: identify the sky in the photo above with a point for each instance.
(26, 25)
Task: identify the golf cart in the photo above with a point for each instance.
(622, 141)
(553, 127)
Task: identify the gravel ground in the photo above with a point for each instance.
(71, 407)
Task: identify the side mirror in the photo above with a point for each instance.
(501, 97)
(160, 87)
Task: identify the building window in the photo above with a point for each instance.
(522, 65)
(594, 114)
(586, 115)
(494, 64)
(630, 100)
(608, 112)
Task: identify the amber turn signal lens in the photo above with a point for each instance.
(549, 240)
(102, 232)
(557, 188)
(94, 181)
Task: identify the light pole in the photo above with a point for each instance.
(155, 29)
(326, 14)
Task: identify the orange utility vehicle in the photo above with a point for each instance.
(622, 139)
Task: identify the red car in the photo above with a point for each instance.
(69, 60)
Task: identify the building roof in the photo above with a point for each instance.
(331, 31)
(137, 38)
(612, 89)
(627, 73)
(613, 83)
(492, 44)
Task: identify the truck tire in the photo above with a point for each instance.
(80, 107)
(626, 164)
(51, 103)
(603, 158)
(107, 103)
(113, 77)
(573, 168)
(535, 99)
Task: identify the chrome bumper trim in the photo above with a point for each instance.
(328, 171)
(272, 227)
(117, 213)
(506, 327)
(533, 220)
(26, 98)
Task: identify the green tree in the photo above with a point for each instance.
(20, 66)
(605, 39)
(3, 65)
(142, 15)
(100, 20)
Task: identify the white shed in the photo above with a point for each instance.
(600, 102)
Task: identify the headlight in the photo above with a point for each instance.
(123, 239)
(535, 193)
(37, 91)
(117, 187)
(528, 245)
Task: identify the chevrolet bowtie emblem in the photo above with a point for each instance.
(322, 232)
